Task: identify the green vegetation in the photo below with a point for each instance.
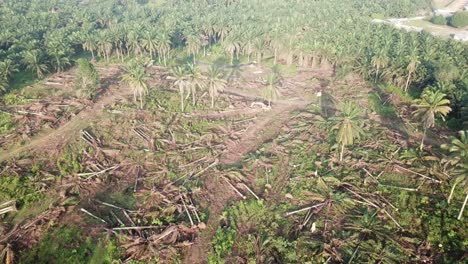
(459, 19)
(87, 79)
(6, 123)
(67, 245)
(439, 20)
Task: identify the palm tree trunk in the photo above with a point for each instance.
(407, 81)
(181, 100)
(451, 193)
(141, 99)
(212, 101)
(422, 140)
(463, 208)
(193, 96)
(341, 152)
(92, 53)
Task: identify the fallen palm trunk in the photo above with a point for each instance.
(304, 209)
(135, 227)
(417, 173)
(234, 189)
(92, 215)
(86, 136)
(207, 168)
(92, 174)
(248, 189)
(375, 206)
(7, 207)
(40, 115)
(187, 211)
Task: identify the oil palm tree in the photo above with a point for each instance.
(379, 61)
(3, 84)
(271, 91)
(347, 125)
(7, 68)
(458, 149)
(179, 76)
(196, 80)
(89, 43)
(136, 79)
(193, 44)
(412, 66)
(149, 43)
(164, 46)
(215, 82)
(33, 61)
(428, 107)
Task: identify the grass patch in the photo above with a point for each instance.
(22, 79)
(6, 123)
(394, 90)
(67, 245)
(383, 109)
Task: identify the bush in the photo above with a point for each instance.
(68, 245)
(439, 20)
(6, 123)
(460, 19)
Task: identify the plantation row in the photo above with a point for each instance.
(43, 37)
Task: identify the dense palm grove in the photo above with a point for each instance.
(38, 38)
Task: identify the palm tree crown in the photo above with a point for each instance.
(137, 79)
(348, 125)
(431, 105)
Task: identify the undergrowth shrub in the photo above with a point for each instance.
(459, 19)
(439, 20)
(6, 123)
(67, 244)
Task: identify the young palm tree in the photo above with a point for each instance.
(379, 61)
(231, 46)
(412, 67)
(215, 82)
(196, 80)
(271, 91)
(32, 60)
(193, 44)
(136, 78)
(458, 148)
(60, 60)
(3, 85)
(179, 76)
(87, 78)
(7, 68)
(164, 46)
(89, 43)
(431, 105)
(348, 125)
(104, 44)
(149, 43)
